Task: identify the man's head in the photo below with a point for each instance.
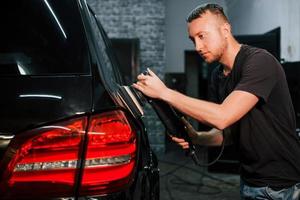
(210, 31)
(202, 9)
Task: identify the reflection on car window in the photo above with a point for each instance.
(43, 37)
(108, 67)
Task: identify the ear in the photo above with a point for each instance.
(226, 28)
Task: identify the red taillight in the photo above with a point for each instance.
(46, 160)
(110, 155)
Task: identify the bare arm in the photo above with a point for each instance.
(213, 137)
(220, 116)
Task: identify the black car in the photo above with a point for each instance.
(66, 129)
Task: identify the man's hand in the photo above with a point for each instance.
(181, 142)
(212, 137)
(192, 133)
(150, 85)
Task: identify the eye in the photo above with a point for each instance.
(201, 36)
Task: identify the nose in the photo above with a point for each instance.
(198, 46)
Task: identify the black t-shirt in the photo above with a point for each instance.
(269, 147)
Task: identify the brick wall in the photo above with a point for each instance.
(145, 20)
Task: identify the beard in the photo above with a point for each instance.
(217, 55)
(211, 58)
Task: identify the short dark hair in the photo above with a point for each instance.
(201, 9)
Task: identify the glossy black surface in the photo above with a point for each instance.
(29, 102)
(54, 72)
(39, 38)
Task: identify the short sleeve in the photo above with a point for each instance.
(259, 75)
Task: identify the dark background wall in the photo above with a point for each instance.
(143, 20)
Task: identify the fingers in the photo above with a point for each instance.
(178, 140)
(184, 145)
(151, 86)
(138, 86)
(151, 72)
(142, 77)
(181, 142)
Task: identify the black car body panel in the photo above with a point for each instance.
(56, 65)
(33, 101)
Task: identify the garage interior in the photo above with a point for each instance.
(153, 34)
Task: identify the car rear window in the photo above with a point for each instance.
(42, 37)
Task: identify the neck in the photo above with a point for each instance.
(229, 55)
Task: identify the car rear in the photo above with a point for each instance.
(64, 132)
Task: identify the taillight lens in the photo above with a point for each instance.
(110, 155)
(44, 161)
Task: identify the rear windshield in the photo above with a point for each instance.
(42, 37)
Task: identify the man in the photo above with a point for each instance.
(250, 95)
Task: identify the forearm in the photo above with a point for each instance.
(203, 111)
(213, 137)
(220, 116)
